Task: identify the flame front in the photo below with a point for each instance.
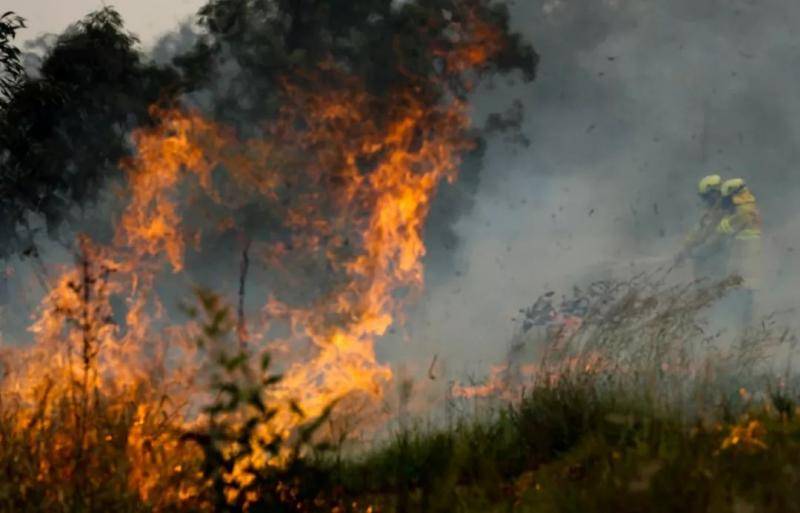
(343, 180)
(371, 222)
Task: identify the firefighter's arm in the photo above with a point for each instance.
(720, 232)
(699, 236)
(746, 216)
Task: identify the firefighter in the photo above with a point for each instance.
(740, 228)
(705, 249)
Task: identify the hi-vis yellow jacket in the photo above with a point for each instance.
(744, 222)
(741, 226)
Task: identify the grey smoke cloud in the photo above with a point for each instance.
(634, 102)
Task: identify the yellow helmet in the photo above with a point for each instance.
(731, 187)
(708, 184)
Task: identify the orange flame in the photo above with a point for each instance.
(385, 211)
(349, 179)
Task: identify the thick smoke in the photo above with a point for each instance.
(211, 68)
(633, 103)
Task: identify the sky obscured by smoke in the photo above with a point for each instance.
(634, 102)
(148, 19)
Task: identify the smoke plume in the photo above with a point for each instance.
(634, 102)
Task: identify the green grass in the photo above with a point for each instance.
(627, 434)
(573, 448)
(577, 445)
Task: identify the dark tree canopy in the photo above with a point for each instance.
(11, 70)
(63, 133)
(250, 46)
(388, 47)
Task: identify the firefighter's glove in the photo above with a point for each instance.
(725, 227)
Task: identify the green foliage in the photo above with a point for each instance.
(11, 70)
(231, 440)
(63, 134)
(577, 447)
(587, 442)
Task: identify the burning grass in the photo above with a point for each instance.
(340, 183)
(644, 406)
(610, 437)
(123, 405)
(119, 396)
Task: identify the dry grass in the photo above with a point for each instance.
(643, 408)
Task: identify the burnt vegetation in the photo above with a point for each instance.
(605, 425)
